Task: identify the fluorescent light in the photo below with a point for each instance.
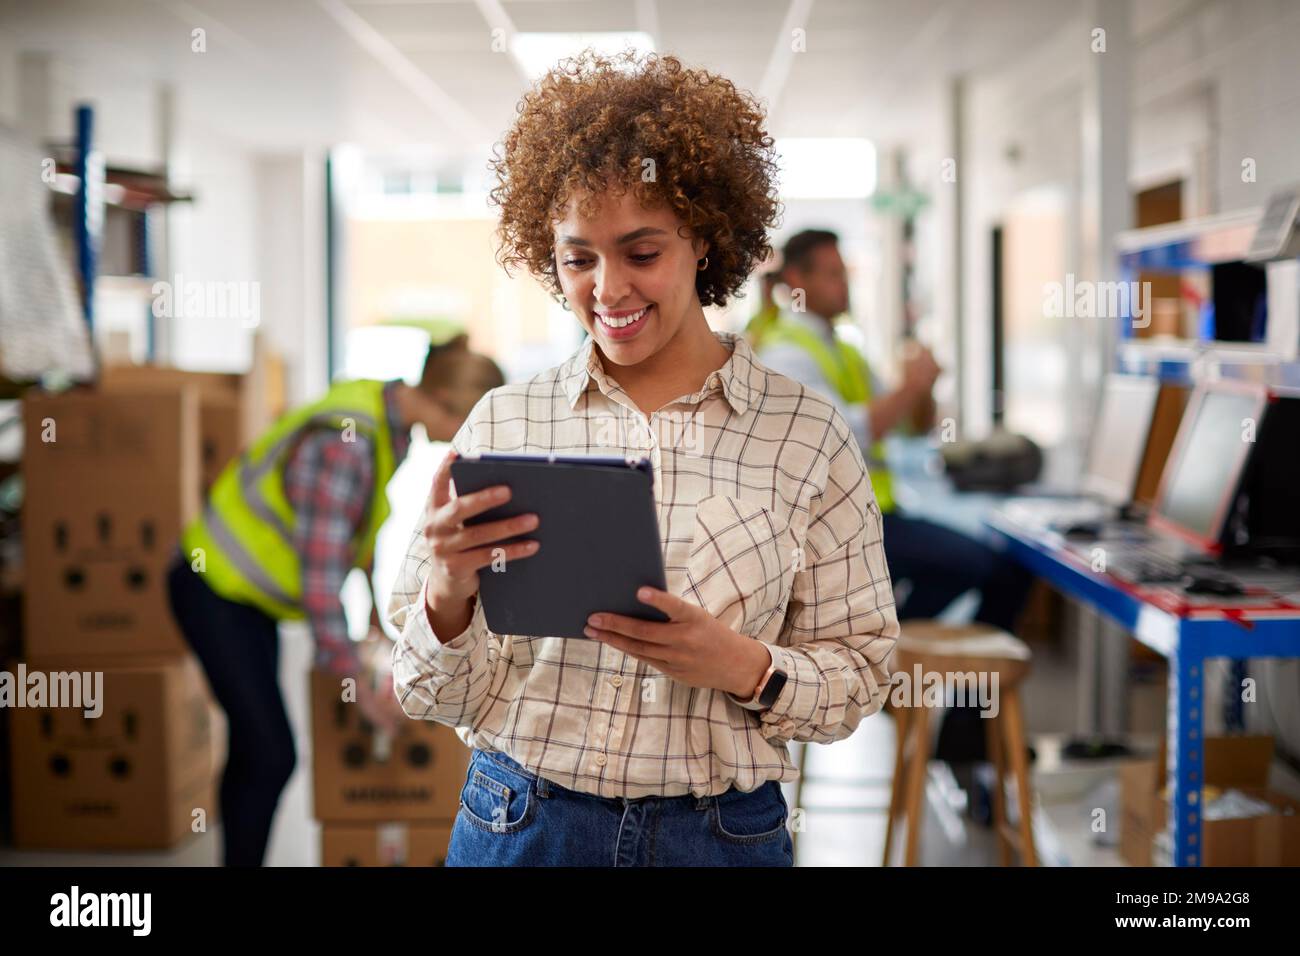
(538, 52)
(826, 168)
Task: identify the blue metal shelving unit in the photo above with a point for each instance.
(88, 212)
(1184, 642)
(1192, 247)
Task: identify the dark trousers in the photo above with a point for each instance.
(939, 565)
(239, 648)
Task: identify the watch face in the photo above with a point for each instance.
(775, 684)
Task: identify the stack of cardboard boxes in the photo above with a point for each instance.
(381, 801)
(224, 415)
(110, 479)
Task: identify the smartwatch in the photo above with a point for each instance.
(769, 687)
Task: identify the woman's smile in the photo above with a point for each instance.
(619, 325)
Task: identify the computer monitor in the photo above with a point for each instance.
(1204, 469)
(1266, 518)
(1119, 437)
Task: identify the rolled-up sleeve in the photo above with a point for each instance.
(447, 680)
(841, 625)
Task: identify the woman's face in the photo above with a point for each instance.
(628, 274)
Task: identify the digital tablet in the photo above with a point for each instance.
(599, 534)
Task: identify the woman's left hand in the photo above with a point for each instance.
(693, 646)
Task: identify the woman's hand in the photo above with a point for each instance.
(693, 646)
(457, 552)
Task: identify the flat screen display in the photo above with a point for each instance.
(1212, 446)
(1119, 438)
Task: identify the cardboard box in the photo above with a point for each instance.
(220, 439)
(131, 778)
(260, 396)
(266, 391)
(211, 385)
(1140, 782)
(419, 777)
(111, 480)
(222, 408)
(1240, 763)
(384, 844)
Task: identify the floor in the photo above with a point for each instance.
(844, 797)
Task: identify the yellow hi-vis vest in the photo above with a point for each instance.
(244, 540)
(846, 369)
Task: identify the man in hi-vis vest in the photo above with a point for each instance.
(283, 526)
(930, 564)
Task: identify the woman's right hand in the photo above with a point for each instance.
(458, 552)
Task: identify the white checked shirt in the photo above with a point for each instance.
(767, 520)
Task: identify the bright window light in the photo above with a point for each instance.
(385, 352)
(538, 52)
(826, 168)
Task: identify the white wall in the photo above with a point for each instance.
(1242, 58)
(290, 249)
(213, 239)
(1023, 134)
(255, 219)
(1213, 83)
(8, 80)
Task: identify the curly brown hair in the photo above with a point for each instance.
(685, 138)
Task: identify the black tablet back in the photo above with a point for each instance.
(599, 537)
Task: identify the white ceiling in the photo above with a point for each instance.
(283, 74)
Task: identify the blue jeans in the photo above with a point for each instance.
(509, 816)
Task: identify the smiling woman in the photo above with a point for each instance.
(641, 191)
(685, 139)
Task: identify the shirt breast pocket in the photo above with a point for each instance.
(742, 562)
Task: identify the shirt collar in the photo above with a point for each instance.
(740, 379)
(397, 429)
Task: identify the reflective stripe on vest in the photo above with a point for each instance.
(846, 370)
(246, 532)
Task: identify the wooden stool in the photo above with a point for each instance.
(943, 649)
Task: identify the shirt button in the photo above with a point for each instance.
(616, 680)
(600, 760)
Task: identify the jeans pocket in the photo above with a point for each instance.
(747, 818)
(495, 798)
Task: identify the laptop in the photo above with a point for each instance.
(1115, 452)
(1197, 488)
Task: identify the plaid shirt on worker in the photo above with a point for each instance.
(330, 484)
(767, 520)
